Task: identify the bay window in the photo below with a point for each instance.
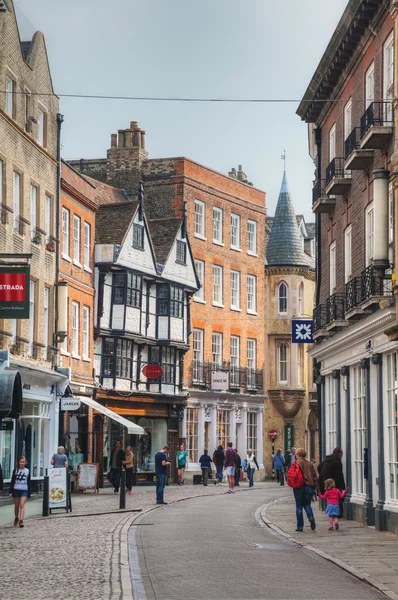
(282, 363)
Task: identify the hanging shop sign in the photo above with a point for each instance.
(14, 292)
(289, 437)
(152, 371)
(302, 331)
(220, 380)
(70, 403)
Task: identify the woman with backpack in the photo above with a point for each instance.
(302, 478)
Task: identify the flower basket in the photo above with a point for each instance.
(36, 238)
(50, 246)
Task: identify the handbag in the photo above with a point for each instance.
(245, 466)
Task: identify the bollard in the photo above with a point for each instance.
(122, 500)
(46, 489)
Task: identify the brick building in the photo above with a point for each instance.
(77, 218)
(226, 228)
(28, 187)
(349, 105)
(291, 406)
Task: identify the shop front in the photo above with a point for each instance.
(160, 421)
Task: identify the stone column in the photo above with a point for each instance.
(345, 372)
(201, 429)
(380, 203)
(369, 510)
(232, 427)
(184, 423)
(260, 437)
(213, 429)
(380, 513)
(244, 430)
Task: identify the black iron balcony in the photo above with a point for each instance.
(352, 294)
(356, 159)
(338, 180)
(335, 308)
(374, 285)
(321, 202)
(319, 317)
(376, 125)
(238, 377)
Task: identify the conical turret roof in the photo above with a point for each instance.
(285, 245)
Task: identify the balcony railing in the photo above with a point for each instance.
(373, 284)
(317, 190)
(352, 293)
(335, 308)
(239, 377)
(352, 142)
(379, 114)
(335, 169)
(319, 316)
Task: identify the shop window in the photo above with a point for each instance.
(223, 428)
(155, 437)
(192, 423)
(392, 427)
(331, 414)
(36, 418)
(138, 236)
(252, 432)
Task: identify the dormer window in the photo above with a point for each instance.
(138, 236)
(181, 256)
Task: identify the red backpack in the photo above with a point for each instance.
(295, 477)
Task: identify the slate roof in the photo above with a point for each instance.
(163, 233)
(107, 194)
(310, 230)
(112, 222)
(285, 246)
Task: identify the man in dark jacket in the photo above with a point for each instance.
(332, 468)
(238, 466)
(116, 464)
(218, 460)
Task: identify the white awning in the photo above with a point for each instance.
(131, 427)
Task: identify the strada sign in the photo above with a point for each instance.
(14, 292)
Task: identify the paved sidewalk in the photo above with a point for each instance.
(82, 557)
(364, 552)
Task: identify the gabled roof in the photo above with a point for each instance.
(285, 245)
(107, 194)
(113, 220)
(163, 233)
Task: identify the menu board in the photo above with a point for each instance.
(58, 488)
(87, 478)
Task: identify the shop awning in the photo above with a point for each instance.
(131, 427)
(10, 394)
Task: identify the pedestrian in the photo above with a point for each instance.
(181, 464)
(303, 495)
(161, 464)
(218, 460)
(332, 468)
(292, 457)
(333, 496)
(59, 460)
(238, 467)
(205, 464)
(279, 466)
(229, 463)
(116, 464)
(129, 466)
(20, 490)
(251, 462)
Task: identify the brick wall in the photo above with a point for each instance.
(350, 208)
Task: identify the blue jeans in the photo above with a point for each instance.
(160, 485)
(219, 473)
(250, 475)
(303, 497)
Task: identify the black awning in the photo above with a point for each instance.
(10, 394)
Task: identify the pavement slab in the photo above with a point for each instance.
(369, 554)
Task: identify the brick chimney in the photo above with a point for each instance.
(240, 175)
(125, 158)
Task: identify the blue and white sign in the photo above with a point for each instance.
(302, 331)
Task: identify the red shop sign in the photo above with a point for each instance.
(152, 371)
(14, 292)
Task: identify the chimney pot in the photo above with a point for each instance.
(137, 138)
(113, 140)
(240, 167)
(142, 139)
(133, 125)
(121, 138)
(128, 138)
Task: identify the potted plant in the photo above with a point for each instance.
(15, 349)
(36, 238)
(50, 246)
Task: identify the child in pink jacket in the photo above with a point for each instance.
(333, 496)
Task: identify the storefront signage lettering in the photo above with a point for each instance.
(14, 292)
(58, 488)
(26, 386)
(87, 478)
(289, 437)
(152, 371)
(70, 403)
(219, 380)
(6, 425)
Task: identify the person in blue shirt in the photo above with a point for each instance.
(161, 464)
(279, 466)
(205, 465)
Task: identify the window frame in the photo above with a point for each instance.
(48, 211)
(332, 267)
(17, 198)
(198, 336)
(199, 295)
(369, 97)
(300, 297)
(332, 142)
(42, 126)
(124, 359)
(369, 234)
(219, 286)
(254, 233)
(252, 431)
(388, 69)
(283, 362)
(199, 220)
(181, 245)
(216, 348)
(284, 299)
(237, 229)
(138, 236)
(34, 204)
(347, 118)
(75, 329)
(10, 107)
(46, 321)
(86, 332)
(235, 305)
(76, 239)
(251, 294)
(86, 245)
(65, 233)
(234, 355)
(32, 315)
(219, 211)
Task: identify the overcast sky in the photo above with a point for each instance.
(190, 48)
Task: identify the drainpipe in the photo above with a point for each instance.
(318, 143)
(380, 513)
(60, 119)
(345, 372)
